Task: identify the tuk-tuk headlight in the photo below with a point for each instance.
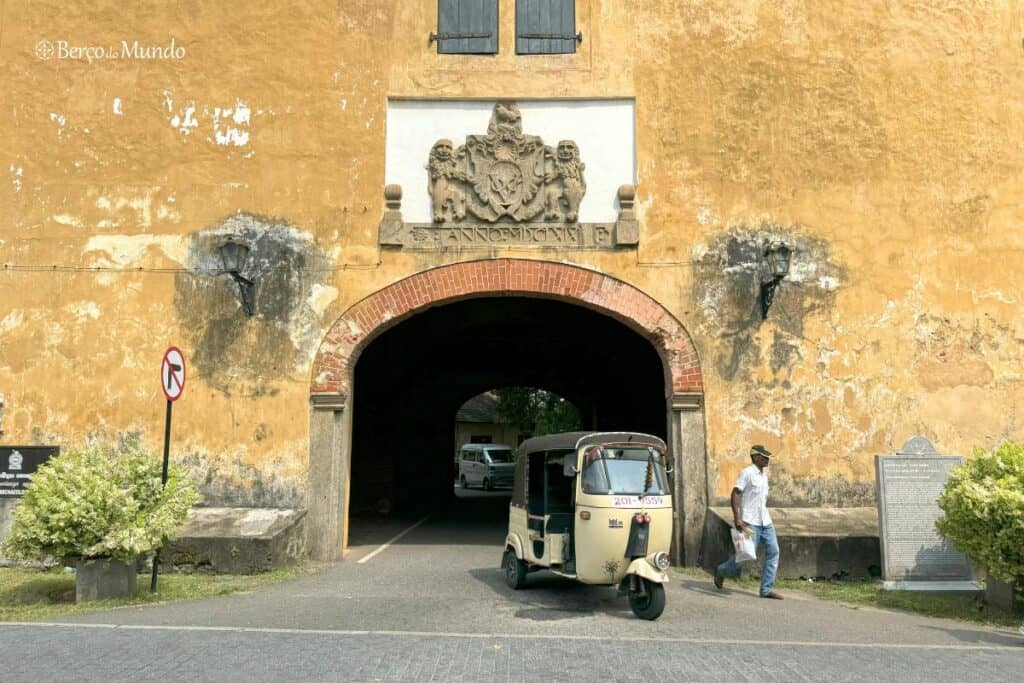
(660, 561)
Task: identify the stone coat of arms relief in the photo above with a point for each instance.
(506, 175)
(506, 187)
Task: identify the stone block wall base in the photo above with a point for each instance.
(237, 541)
(104, 579)
(813, 542)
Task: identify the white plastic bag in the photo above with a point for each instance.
(746, 551)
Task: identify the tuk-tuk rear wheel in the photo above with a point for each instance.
(515, 570)
(652, 604)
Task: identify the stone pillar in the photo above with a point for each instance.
(329, 445)
(627, 230)
(391, 224)
(690, 477)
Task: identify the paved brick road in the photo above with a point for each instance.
(41, 653)
(434, 607)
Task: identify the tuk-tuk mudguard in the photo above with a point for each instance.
(641, 567)
(513, 541)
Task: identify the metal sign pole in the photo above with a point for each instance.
(163, 483)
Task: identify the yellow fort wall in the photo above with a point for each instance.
(884, 140)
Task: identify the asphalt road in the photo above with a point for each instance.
(433, 606)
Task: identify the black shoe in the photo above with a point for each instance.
(719, 580)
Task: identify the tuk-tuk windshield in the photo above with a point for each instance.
(500, 456)
(633, 470)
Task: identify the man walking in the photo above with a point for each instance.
(750, 514)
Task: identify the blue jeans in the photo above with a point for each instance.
(766, 535)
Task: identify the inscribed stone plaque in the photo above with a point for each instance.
(909, 485)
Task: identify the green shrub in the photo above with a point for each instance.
(96, 502)
(984, 510)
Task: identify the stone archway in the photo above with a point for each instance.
(331, 383)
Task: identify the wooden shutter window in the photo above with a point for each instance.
(467, 27)
(546, 27)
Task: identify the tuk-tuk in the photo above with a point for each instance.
(595, 507)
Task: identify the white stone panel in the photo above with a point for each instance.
(603, 129)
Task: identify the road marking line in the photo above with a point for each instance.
(386, 545)
(515, 636)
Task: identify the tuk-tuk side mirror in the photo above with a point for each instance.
(569, 468)
(667, 463)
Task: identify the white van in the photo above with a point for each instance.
(486, 465)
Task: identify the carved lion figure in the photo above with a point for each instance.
(448, 199)
(565, 183)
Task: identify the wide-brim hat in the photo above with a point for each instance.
(758, 449)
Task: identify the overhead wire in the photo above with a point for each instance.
(54, 268)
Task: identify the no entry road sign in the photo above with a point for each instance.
(172, 381)
(172, 374)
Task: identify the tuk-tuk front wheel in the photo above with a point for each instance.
(515, 570)
(651, 604)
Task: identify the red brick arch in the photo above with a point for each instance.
(353, 331)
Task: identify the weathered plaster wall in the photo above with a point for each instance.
(883, 140)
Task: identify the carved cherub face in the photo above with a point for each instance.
(442, 150)
(567, 150)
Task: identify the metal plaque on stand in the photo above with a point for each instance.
(914, 555)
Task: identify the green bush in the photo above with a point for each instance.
(96, 502)
(984, 510)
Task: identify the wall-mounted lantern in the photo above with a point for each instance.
(234, 254)
(778, 255)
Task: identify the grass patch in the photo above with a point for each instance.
(31, 595)
(868, 593)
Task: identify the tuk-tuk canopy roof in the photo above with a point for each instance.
(574, 440)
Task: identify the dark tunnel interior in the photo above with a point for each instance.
(411, 381)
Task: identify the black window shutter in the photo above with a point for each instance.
(545, 27)
(467, 26)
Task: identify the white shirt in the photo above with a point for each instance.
(754, 485)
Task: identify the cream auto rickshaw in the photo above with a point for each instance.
(595, 507)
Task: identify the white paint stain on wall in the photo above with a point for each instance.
(320, 297)
(13, 319)
(127, 250)
(185, 120)
(67, 219)
(84, 310)
(116, 107)
(706, 216)
(828, 283)
(60, 120)
(231, 124)
(139, 205)
(17, 172)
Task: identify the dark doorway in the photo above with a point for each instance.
(411, 381)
